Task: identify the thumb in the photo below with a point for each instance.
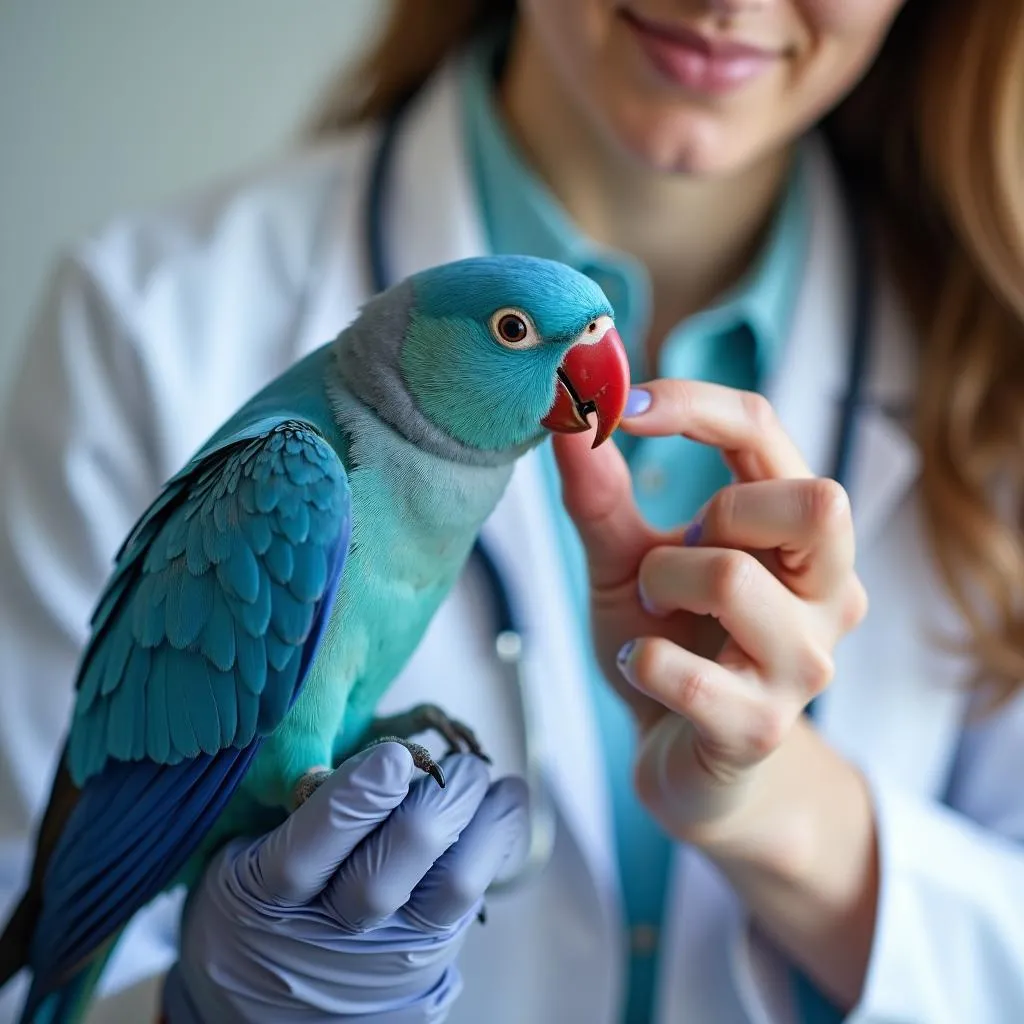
(597, 492)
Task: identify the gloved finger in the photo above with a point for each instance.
(292, 864)
(381, 874)
(498, 835)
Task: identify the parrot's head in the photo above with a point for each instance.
(498, 350)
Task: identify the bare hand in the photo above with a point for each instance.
(717, 642)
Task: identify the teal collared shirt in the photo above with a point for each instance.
(735, 342)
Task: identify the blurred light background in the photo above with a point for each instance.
(109, 105)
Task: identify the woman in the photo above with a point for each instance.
(721, 856)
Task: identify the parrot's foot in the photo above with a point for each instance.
(316, 777)
(420, 756)
(309, 784)
(423, 718)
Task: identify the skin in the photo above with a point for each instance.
(633, 156)
(726, 639)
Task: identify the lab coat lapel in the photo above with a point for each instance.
(429, 214)
(808, 385)
(921, 714)
(432, 216)
(338, 282)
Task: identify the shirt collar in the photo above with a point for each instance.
(521, 215)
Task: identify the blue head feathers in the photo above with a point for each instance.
(560, 300)
(486, 340)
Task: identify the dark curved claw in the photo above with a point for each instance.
(420, 757)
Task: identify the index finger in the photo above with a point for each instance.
(380, 876)
(297, 859)
(742, 424)
(597, 491)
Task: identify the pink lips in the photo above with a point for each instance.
(696, 61)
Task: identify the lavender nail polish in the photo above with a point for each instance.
(692, 534)
(624, 652)
(637, 402)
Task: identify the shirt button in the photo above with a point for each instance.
(650, 479)
(643, 939)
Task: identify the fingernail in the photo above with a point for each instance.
(693, 532)
(644, 602)
(638, 401)
(624, 653)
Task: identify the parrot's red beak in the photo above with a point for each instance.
(593, 378)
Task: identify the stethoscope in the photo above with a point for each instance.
(510, 636)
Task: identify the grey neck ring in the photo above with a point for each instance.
(368, 362)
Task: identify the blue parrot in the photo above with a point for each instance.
(266, 599)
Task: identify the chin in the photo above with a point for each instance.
(693, 143)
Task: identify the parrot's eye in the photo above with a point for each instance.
(513, 329)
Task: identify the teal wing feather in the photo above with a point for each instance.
(199, 640)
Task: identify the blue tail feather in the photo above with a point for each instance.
(96, 882)
(68, 1004)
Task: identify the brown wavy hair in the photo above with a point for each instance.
(935, 132)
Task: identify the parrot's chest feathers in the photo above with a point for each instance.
(415, 516)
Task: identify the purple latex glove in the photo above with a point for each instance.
(355, 908)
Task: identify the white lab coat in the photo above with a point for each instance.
(163, 323)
